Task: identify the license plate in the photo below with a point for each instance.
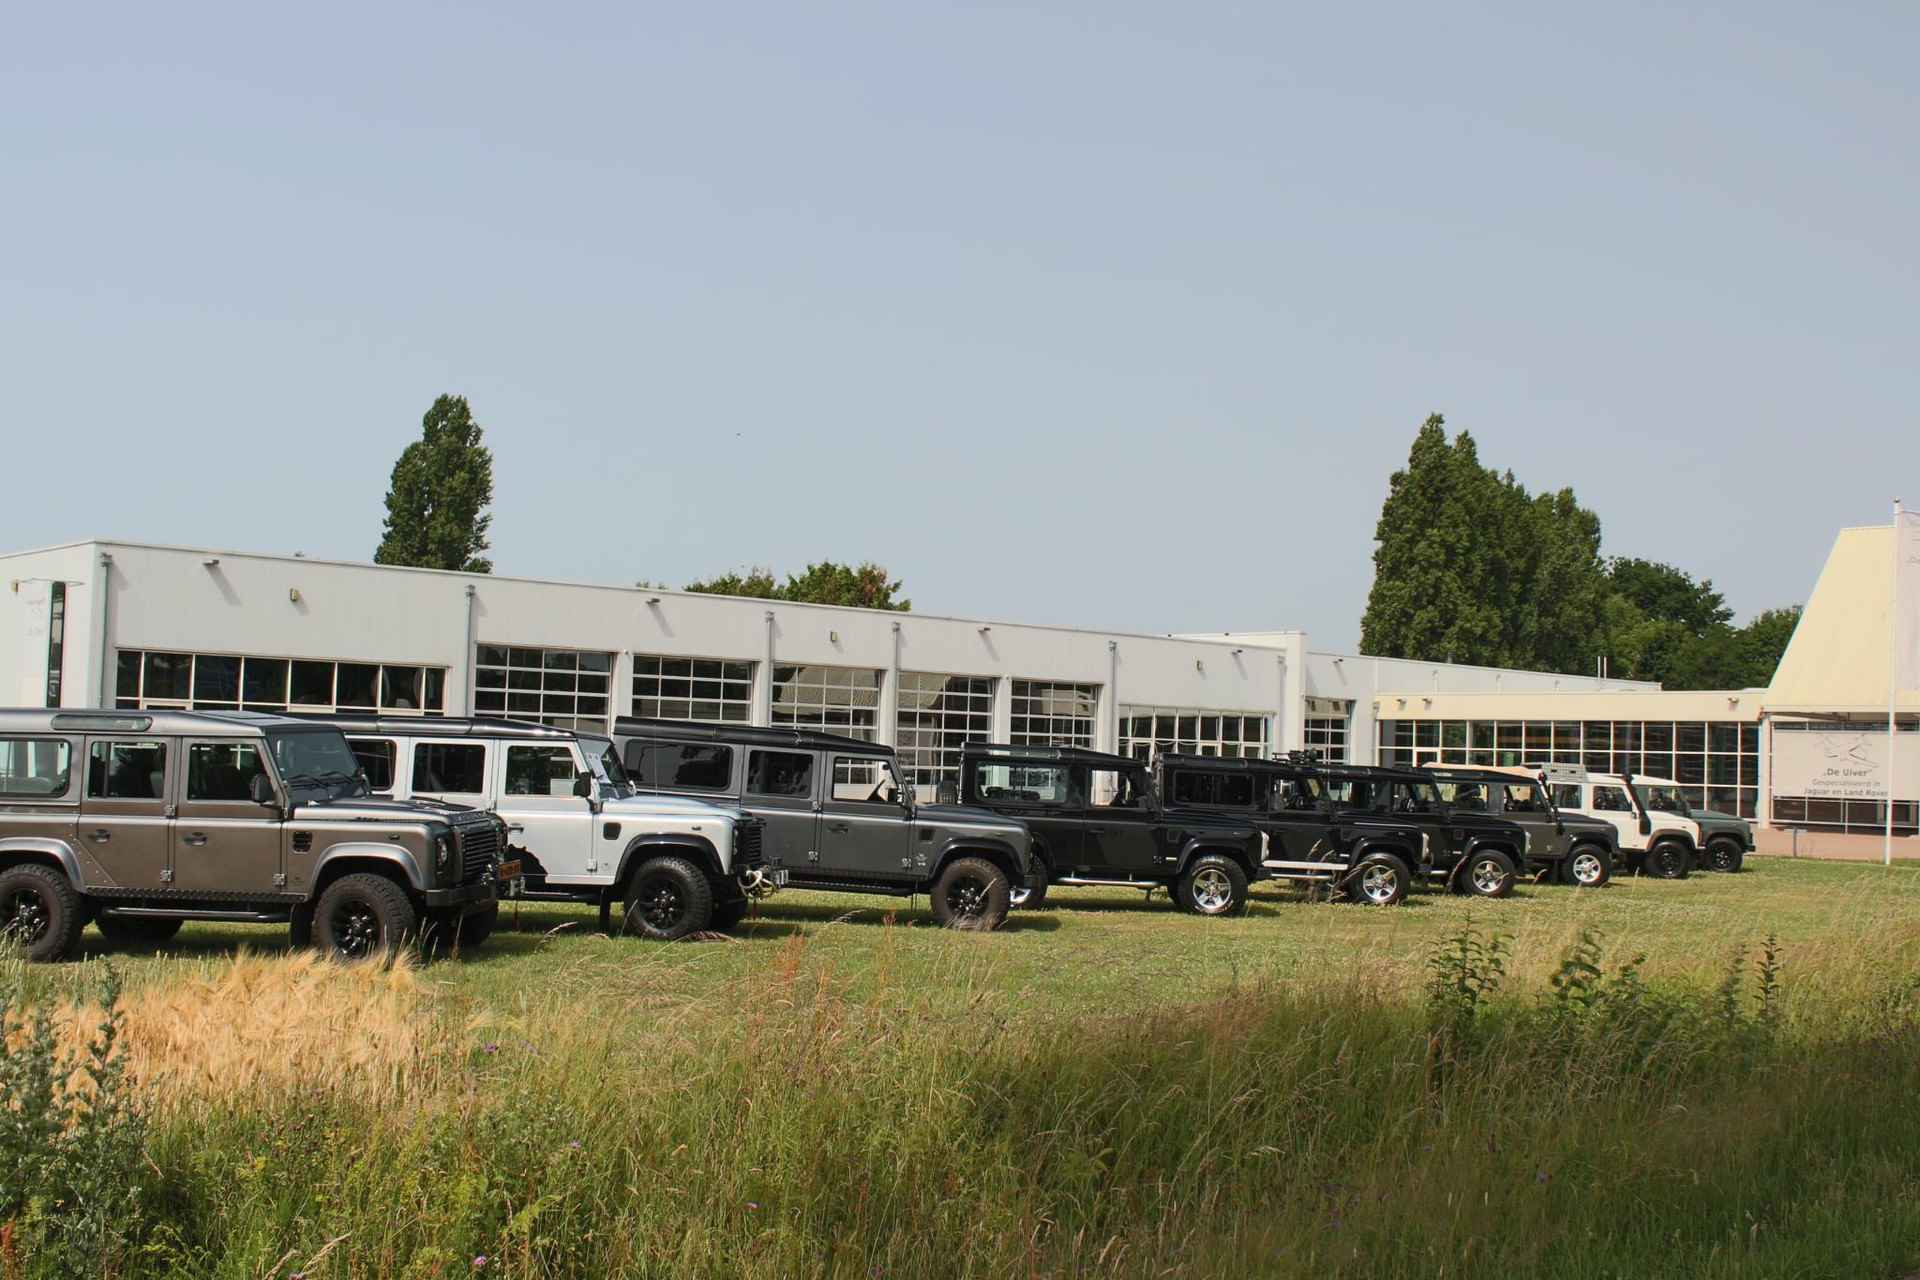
(510, 870)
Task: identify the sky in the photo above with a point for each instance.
(1114, 315)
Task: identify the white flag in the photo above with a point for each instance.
(1906, 600)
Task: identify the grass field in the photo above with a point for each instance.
(1104, 1087)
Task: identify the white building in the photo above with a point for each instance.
(102, 623)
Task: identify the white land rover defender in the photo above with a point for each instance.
(1653, 842)
(579, 830)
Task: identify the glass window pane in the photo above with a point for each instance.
(167, 677)
(442, 768)
(312, 684)
(358, 685)
(216, 679)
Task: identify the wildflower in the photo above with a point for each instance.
(480, 1262)
(1542, 1177)
(753, 1204)
(489, 1048)
(575, 1144)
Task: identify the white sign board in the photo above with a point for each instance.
(1844, 764)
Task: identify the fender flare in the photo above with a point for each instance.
(1386, 844)
(1660, 835)
(698, 848)
(42, 847)
(395, 855)
(993, 848)
(1205, 846)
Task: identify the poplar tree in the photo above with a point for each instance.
(437, 500)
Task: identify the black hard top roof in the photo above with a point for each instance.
(1051, 755)
(1479, 773)
(435, 726)
(746, 734)
(1187, 760)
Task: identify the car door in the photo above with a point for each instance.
(1299, 826)
(126, 813)
(863, 831)
(1124, 832)
(779, 789)
(552, 826)
(1610, 802)
(1038, 794)
(223, 839)
(1525, 803)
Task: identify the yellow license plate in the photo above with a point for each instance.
(510, 870)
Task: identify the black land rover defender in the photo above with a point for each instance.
(1467, 852)
(1096, 821)
(837, 815)
(1570, 848)
(1366, 856)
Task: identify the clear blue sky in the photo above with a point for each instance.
(1117, 315)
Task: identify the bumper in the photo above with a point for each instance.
(460, 895)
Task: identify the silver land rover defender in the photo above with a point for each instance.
(141, 820)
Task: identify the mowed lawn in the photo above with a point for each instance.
(1102, 951)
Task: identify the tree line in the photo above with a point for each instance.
(1469, 567)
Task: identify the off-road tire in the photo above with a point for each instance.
(1032, 895)
(728, 913)
(364, 917)
(1589, 866)
(1726, 855)
(668, 899)
(972, 894)
(1378, 880)
(1212, 885)
(1488, 873)
(1668, 860)
(39, 912)
(148, 931)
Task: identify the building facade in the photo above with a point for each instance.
(142, 626)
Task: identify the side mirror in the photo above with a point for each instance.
(261, 791)
(583, 785)
(1646, 825)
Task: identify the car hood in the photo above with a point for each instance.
(657, 805)
(375, 809)
(1586, 820)
(1714, 818)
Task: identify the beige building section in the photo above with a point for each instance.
(1840, 658)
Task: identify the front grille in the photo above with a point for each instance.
(747, 838)
(479, 851)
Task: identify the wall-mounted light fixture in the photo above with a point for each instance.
(1199, 666)
(293, 595)
(653, 599)
(211, 562)
(984, 630)
(1733, 702)
(1426, 702)
(1238, 652)
(833, 637)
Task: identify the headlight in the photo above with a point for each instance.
(443, 851)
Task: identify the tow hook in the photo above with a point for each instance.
(757, 885)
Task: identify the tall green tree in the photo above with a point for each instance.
(437, 500)
(862, 586)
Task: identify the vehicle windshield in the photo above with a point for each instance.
(316, 764)
(603, 759)
(1662, 798)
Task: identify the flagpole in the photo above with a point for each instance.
(1893, 678)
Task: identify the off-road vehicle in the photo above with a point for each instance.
(1725, 839)
(1097, 821)
(579, 830)
(1653, 842)
(1369, 857)
(1568, 847)
(1466, 852)
(140, 820)
(837, 816)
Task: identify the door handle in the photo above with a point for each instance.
(197, 838)
(100, 836)
(1096, 831)
(838, 828)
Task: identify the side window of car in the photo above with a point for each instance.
(450, 768)
(1608, 799)
(222, 771)
(545, 770)
(697, 766)
(864, 779)
(1566, 795)
(35, 768)
(1522, 798)
(1469, 796)
(378, 757)
(1024, 784)
(1298, 795)
(787, 774)
(127, 771)
(1117, 789)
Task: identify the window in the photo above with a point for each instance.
(1471, 796)
(842, 700)
(127, 771)
(780, 773)
(1298, 795)
(222, 770)
(56, 641)
(1024, 783)
(1328, 736)
(568, 688)
(865, 780)
(711, 690)
(701, 766)
(1566, 795)
(1046, 713)
(1524, 798)
(937, 714)
(1415, 797)
(37, 768)
(1229, 789)
(377, 757)
(1350, 793)
(1610, 799)
(450, 768)
(1147, 731)
(1118, 788)
(540, 771)
(224, 682)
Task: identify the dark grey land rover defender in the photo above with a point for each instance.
(837, 815)
(141, 820)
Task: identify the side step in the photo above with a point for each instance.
(1088, 882)
(195, 913)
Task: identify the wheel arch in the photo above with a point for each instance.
(998, 852)
(696, 849)
(1208, 846)
(394, 863)
(42, 852)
